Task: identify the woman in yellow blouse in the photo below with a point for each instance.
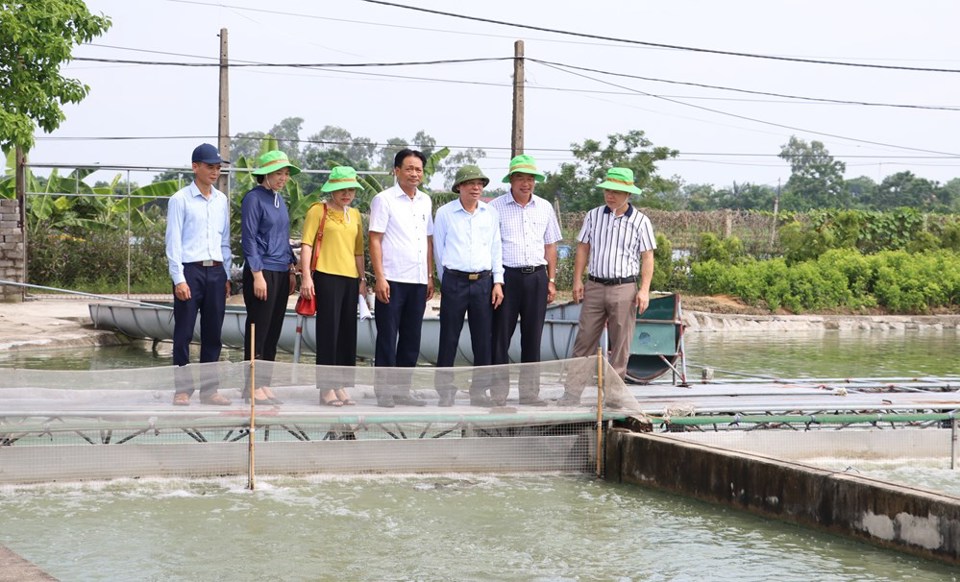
(337, 281)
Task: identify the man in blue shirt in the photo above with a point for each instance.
(467, 251)
(198, 257)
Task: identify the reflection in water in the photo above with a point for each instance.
(429, 528)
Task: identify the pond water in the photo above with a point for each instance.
(529, 527)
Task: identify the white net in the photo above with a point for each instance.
(69, 425)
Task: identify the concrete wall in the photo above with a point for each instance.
(915, 521)
(12, 250)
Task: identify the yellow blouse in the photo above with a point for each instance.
(342, 239)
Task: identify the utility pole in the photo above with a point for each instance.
(20, 190)
(516, 138)
(223, 129)
(776, 209)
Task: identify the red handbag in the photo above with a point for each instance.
(309, 306)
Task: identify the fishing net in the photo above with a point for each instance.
(67, 425)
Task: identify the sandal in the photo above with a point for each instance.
(344, 397)
(181, 399)
(331, 401)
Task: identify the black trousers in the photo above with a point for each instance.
(461, 296)
(336, 328)
(524, 298)
(268, 315)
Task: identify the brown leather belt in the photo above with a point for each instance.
(206, 264)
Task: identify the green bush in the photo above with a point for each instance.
(98, 261)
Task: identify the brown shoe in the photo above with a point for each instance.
(181, 399)
(216, 399)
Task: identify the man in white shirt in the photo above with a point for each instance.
(401, 231)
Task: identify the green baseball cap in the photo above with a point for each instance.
(341, 178)
(619, 179)
(272, 161)
(524, 164)
(467, 173)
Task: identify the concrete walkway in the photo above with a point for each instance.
(13, 568)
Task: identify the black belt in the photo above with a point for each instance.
(468, 276)
(526, 270)
(205, 264)
(617, 281)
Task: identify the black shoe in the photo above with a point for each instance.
(407, 400)
(481, 400)
(385, 401)
(534, 401)
(447, 398)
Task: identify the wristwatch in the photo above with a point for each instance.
(552, 280)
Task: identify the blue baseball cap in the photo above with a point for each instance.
(207, 154)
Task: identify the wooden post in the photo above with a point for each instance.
(599, 412)
(223, 129)
(516, 136)
(251, 485)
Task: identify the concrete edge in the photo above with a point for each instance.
(14, 568)
(918, 522)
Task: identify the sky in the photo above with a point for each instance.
(723, 136)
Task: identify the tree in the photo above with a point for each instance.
(905, 189)
(861, 191)
(575, 184)
(816, 179)
(36, 38)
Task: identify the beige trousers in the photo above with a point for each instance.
(612, 306)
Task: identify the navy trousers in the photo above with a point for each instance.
(398, 335)
(208, 297)
(461, 296)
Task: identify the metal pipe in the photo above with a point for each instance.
(94, 295)
(953, 442)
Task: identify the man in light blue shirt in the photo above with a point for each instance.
(198, 257)
(467, 252)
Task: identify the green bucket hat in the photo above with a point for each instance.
(525, 165)
(273, 161)
(341, 178)
(467, 173)
(619, 179)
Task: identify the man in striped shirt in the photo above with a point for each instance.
(616, 246)
(530, 231)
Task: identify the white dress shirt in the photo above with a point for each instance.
(405, 223)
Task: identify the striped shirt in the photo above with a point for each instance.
(525, 230)
(616, 241)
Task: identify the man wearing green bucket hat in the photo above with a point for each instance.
(530, 231)
(269, 268)
(466, 248)
(616, 245)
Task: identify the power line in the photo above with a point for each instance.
(662, 45)
(753, 119)
(325, 66)
(748, 91)
(294, 65)
(567, 150)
